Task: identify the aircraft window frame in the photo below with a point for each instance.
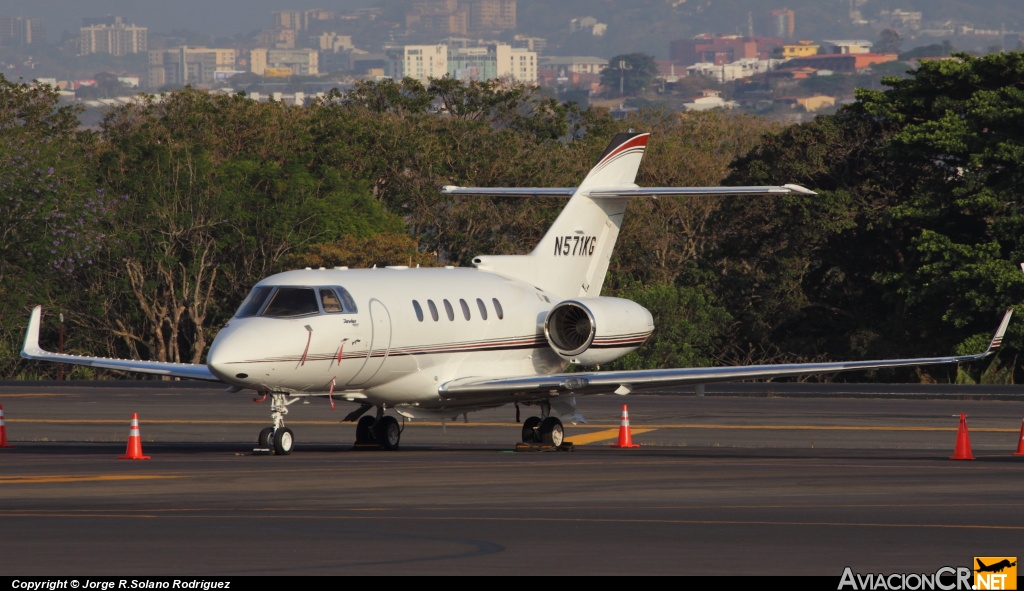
(448, 310)
(419, 310)
(497, 309)
(254, 301)
(283, 291)
(483, 308)
(465, 308)
(433, 310)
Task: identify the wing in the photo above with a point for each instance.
(612, 192)
(32, 350)
(625, 382)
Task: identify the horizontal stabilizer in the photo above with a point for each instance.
(619, 192)
(32, 350)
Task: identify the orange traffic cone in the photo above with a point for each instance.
(134, 451)
(963, 442)
(625, 435)
(1019, 452)
(3, 429)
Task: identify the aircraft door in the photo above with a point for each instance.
(380, 344)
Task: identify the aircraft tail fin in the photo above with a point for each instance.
(572, 258)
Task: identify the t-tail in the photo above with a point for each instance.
(572, 258)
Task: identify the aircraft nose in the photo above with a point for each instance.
(221, 357)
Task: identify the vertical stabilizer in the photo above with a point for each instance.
(572, 258)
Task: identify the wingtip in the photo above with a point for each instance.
(997, 339)
(31, 345)
(799, 189)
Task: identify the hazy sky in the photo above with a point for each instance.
(219, 17)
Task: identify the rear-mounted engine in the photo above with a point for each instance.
(592, 331)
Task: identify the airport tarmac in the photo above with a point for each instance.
(771, 483)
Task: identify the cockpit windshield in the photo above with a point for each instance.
(291, 301)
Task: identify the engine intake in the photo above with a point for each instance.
(592, 331)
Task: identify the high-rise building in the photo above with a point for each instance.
(188, 65)
(113, 36)
(284, 62)
(20, 31)
(493, 61)
(781, 23)
(421, 62)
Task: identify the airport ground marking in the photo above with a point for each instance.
(519, 518)
(606, 435)
(93, 478)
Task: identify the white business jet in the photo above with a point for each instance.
(438, 343)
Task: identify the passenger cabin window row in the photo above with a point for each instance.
(279, 301)
(449, 310)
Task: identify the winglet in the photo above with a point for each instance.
(799, 189)
(31, 346)
(997, 339)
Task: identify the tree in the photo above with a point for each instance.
(913, 242)
(629, 74)
(888, 42)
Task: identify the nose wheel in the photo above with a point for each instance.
(277, 439)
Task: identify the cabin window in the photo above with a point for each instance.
(449, 310)
(419, 310)
(482, 307)
(497, 308)
(465, 308)
(292, 301)
(433, 309)
(253, 302)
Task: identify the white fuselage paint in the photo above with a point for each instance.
(387, 355)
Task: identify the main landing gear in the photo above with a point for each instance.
(546, 431)
(379, 430)
(277, 439)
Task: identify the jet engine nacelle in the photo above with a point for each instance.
(592, 331)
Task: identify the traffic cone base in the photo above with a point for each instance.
(963, 442)
(134, 451)
(625, 434)
(1020, 440)
(3, 429)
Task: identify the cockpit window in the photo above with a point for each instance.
(330, 301)
(292, 301)
(253, 302)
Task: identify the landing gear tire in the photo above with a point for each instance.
(551, 432)
(364, 431)
(266, 438)
(530, 434)
(388, 433)
(284, 440)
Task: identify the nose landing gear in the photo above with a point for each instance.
(278, 439)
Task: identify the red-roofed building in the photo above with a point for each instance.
(721, 49)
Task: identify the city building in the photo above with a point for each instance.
(721, 49)
(460, 17)
(16, 31)
(188, 65)
(284, 62)
(112, 35)
(846, 46)
(421, 62)
(801, 48)
(493, 61)
(781, 23)
(573, 64)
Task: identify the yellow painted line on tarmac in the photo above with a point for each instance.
(35, 395)
(94, 478)
(278, 515)
(606, 435)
